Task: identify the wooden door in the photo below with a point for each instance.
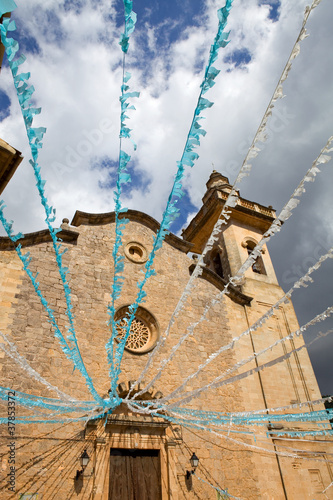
(135, 475)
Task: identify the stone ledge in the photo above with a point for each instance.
(10, 158)
(137, 421)
(30, 239)
(216, 280)
(213, 207)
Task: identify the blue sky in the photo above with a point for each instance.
(239, 57)
(274, 8)
(4, 105)
(75, 61)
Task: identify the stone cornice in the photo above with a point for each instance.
(137, 421)
(260, 215)
(10, 158)
(134, 216)
(30, 239)
(233, 292)
(204, 214)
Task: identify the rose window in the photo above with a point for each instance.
(144, 331)
(139, 334)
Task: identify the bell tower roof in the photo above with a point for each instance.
(217, 180)
(218, 188)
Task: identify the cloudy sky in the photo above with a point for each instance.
(75, 61)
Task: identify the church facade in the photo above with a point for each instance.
(138, 456)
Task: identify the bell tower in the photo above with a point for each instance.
(289, 379)
(247, 224)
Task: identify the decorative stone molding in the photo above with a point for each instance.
(144, 331)
(136, 252)
(220, 283)
(252, 240)
(177, 436)
(30, 239)
(124, 388)
(132, 423)
(260, 217)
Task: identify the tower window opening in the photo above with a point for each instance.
(215, 263)
(133, 250)
(258, 265)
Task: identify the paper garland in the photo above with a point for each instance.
(35, 136)
(225, 419)
(171, 212)
(260, 322)
(130, 20)
(233, 195)
(7, 6)
(256, 252)
(189, 156)
(220, 381)
(10, 349)
(123, 177)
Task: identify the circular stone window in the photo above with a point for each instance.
(136, 252)
(144, 330)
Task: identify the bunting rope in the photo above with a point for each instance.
(274, 228)
(233, 196)
(223, 419)
(218, 382)
(287, 407)
(91, 409)
(260, 322)
(7, 6)
(329, 486)
(187, 159)
(207, 420)
(140, 406)
(32, 401)
(271, 434)
(123, 177)
(255, 448)
(10, 349)
(25, 259)
(35, 136)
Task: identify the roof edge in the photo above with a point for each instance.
(233, 293)
(43, 236)
(85, 218)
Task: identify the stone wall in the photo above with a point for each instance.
(47, 455)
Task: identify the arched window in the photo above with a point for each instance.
(258, 265)
(216, 263)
